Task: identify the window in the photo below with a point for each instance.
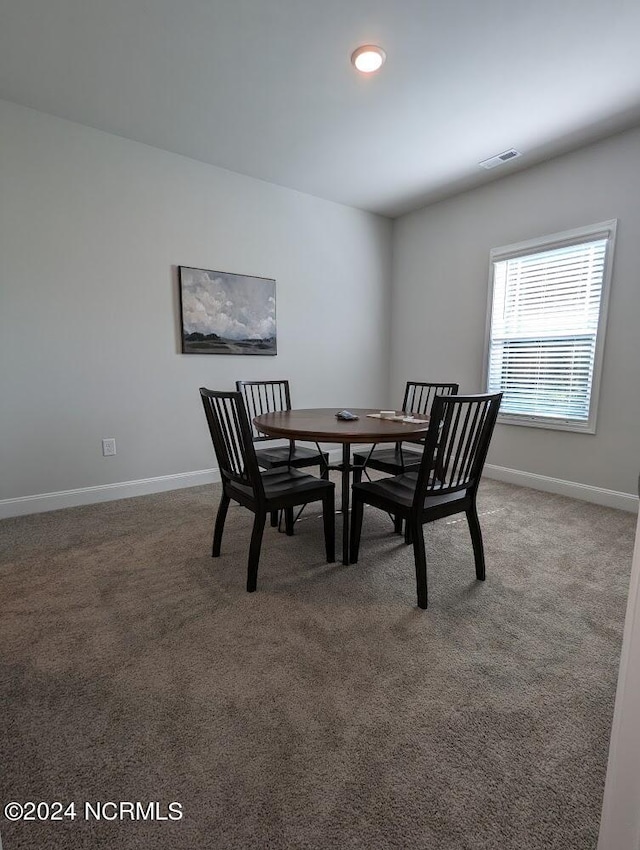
(546, 324)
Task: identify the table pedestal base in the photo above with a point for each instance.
(345, 468)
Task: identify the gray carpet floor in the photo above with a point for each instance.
(324, 711)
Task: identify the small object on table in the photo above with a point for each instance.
(400, 417)
(346, 416)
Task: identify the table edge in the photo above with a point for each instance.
(412, 433)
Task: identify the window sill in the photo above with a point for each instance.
(549, 424)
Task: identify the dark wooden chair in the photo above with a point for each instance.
(397, 458)
(403, 457)
(261, 492)
(456, 446)
(268, 397)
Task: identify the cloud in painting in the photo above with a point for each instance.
(232, 306)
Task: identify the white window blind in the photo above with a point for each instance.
(546, 327)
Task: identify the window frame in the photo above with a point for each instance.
(589, 233)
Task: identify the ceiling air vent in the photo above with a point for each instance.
(494, 161)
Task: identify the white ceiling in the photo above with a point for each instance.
(265, 87)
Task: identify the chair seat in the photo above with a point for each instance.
(279, 482)
(286, 485)
(399, 491)
(390, 459)
(274, 456)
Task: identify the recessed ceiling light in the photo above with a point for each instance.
(368, 58)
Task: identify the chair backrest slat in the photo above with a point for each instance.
(264, 397)
(457, 443)
(456, 446)
(419, 395)
(230, 435)
(475, 414)
(232, 438)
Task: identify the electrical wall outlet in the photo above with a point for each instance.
(109, 447)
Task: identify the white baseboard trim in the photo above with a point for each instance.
(585, 492)
(145, 486)
(105, 493)
(109, 492)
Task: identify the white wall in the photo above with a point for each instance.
(439, 302)
(92, 227)
(620, 825)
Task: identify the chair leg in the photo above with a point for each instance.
(254, 550)
(329, 522)
(288, 521)
(357, 474)
(476, 539)
(420, 559)
(324, 468)
(397, 524)
(274, 519)
(357, 511)
(219, 526)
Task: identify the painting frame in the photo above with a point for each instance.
(226, 313)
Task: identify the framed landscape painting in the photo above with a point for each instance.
(224, 313)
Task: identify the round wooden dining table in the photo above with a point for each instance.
(319, 425)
